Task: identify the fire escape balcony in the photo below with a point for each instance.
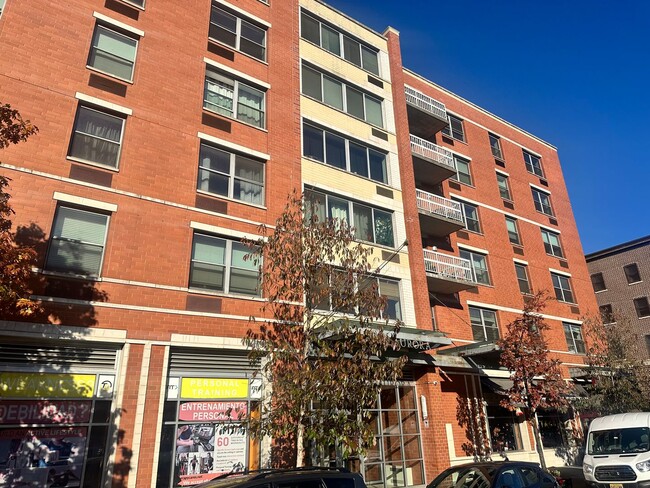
(439, 216)
(447, 274)
(426, 115)
(432, 163)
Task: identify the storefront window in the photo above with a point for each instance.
(550, 428)
(68, 417)
(204, 431)
(395, 459)
(503, 429)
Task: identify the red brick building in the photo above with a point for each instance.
(170, 131)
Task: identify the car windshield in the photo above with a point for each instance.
(619, 441)
(462, 477)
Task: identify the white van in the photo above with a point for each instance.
(617, 453)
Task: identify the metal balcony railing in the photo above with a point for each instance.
(429, 150)
(437, 205)
(445, 266)
(424, 102)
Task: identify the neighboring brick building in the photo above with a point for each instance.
(169, 131)
(619, 275)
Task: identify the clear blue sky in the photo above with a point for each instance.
(574, 72)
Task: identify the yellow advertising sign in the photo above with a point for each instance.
(46, 385)
(218, 388)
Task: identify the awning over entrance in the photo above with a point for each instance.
(414, 339)
(500, 386)
(473, 349)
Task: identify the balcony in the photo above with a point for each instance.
(447, 274)
(432, 163)
(439, 216)
(426, 115)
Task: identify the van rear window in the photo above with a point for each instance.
(619, 441)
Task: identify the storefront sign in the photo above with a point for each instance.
(45, 412)
(42, 457)
(204, 388)
(212, 411)
(46, 385)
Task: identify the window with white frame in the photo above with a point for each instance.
(343, 153)
(513, 231)
(2, 6)
(542, 201)
(455, 128)
(470, 212)
(219, 264)
(642, 307)
(495, 146)
(370, 223)
(234, 31)
(598, 282)
(484, 324)
(504, 186)
(97, 137)
(478, 262)
(632, 274)
(339, 44)
(231, 97)
(573, 335)
(77, 241)
(113, 53)
(522, 278)
(533, 163)
(463, 173)
(562, 287)
(138, 3)
(230, 175)
(552, 244)
(335, 93)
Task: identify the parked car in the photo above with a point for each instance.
(289, 478)
(506, 474)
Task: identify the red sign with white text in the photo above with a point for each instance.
(212, 411)
(45, 412)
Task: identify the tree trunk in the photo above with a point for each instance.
(538, 441)
(300, 449)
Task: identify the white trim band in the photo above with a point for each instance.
(103, 103)
(520, 261)
(543, 190)
(519, 311)
(557, 271)
(118, 24)
(225, 231)
(236, 73)
(233, 146)
(503, 173)
(244, 13)
(472, 248)
(84, 202)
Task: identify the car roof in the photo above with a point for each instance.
(495, 464)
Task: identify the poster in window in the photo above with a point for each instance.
(48, 457)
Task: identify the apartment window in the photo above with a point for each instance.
(513, 231)
(233, 98)
(562, 287)
(2, 6)
(542, 202)
(574, 341)
(455, 128)
(632, 274)
(470, 213)
(598, 282)
(495, 145)
(244, 36)
(218, 264)
(337, 94)
(231, 175)
(339, 44)
(552, 244)
(533, 164)
(340, 152)
(606, 314)
(484, 324)
(113, 53)
(522, 277)
(504, 186)
(463, 173)
(77, 242)
(370, 224)
(97, 137)
(479, 266)
(642, 307)
(138, 3)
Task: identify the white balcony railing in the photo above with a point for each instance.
(429, 150)
(426, 103)
(437, 205)
(446, 266)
